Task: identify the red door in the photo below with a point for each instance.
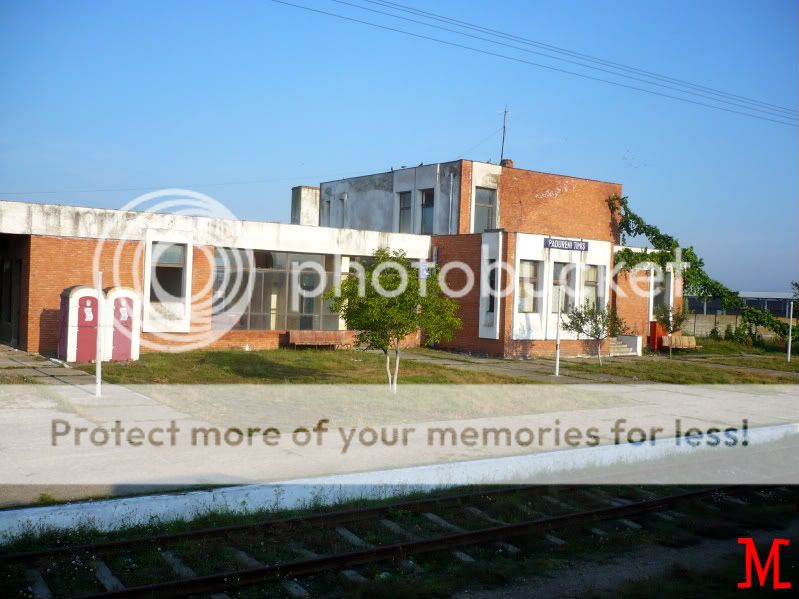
(87, 329)
(123, 329)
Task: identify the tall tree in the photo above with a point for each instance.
(383, 313)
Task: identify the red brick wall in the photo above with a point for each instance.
(531, 202)
(466, 248)
(59, 262)
(527, 348)
(55, 264)
(465, 205)
(632, 308)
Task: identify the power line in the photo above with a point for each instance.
(185, 185)
(433, 16)
(480, 143)
(528, 62)
(732, 102)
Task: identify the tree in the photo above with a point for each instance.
(671, 321)
(590, 320)
(384, 314)
(665, 249)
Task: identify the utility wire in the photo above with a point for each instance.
(433, 16)
(779, 113)
(767, 111)
(184, 186)
(479, 143)
(528, 62)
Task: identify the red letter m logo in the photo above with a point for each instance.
(773, 558)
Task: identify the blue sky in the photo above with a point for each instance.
(256, 97)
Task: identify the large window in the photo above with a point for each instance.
(405, 212)
(592, 284)
(281, 293)
(485, 209)
(528, 291)
(562, 287)
(492, 285)
(428, 212)
(167, 282)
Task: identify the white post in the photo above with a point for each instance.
(790, 329)
(557, 333)
(98, 359)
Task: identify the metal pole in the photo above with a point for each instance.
(557, 333)
(98, 358)
(790, 329)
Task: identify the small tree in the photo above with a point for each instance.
(384, 314)
(671, 321)
(590, 320)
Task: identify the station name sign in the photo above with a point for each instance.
(566, 244)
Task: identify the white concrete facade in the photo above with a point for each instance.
(24, 218)
(372, 202)
(542, 323)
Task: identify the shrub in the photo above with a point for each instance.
(714, 333)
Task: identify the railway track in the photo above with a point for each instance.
(346, 544)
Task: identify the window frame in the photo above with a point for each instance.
(431, 210)
(153, 319)
(596, 284)
(524, 282)
(492, 221)
(568, 301)
(400, 209)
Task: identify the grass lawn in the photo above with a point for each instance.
(662, 370)
(9, 377)
(729, 353)
(307, 366)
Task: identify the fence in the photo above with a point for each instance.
(700, 325)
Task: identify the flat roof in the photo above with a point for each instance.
(405, 168)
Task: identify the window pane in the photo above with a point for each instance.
(485, 196)
(492, 284)
(484, 209)
(528, 285)
(483, 219)
(167, 285)
(405, 212)
(562, 286)
(428, 196)
(168, 253)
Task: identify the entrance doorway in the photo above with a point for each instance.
(10, 277)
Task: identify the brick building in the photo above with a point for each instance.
(481, 215)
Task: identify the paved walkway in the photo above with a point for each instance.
(67, 395)
(76, 399)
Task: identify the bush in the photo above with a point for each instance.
(729, 334)
(714, 334)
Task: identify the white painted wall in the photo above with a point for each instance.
(491, 249)
(371, 202)
(542, 325)
(25, 218)
(484, 175)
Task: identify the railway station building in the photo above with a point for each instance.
(528, 237)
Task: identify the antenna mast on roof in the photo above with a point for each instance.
(504, 126)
